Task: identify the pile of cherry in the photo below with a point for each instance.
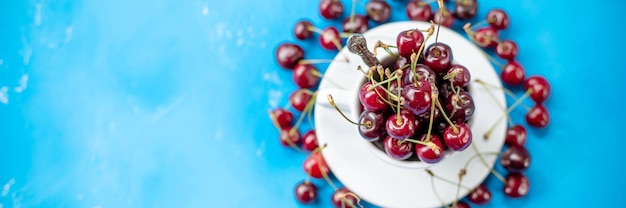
(398, 100)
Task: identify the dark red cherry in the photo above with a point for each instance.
(419, 10)
(315, 165)
(409, 42)
(357, 24)
(438, 56)
(330, 39)
(331, 9)
(374, 127)
(304, 75)
(445, 90)
(465, 9)
(289, 135)
(507, 49)
(516, 136)
(457, 140)
(461, 76)
(540, 88)
(460, 107)
(517, 185)
(538, 116)
(401, 128)
(378, 10)
(299, 99)
(422, 72)
(427, 154)
(306, 192)
(417, 97)
(282, 117)
(486, 37)
(480, 195)
(498, 19)
(515, 159)
(288, 55)
(512, 73)
(309, 141)
(303, 30)
(370, 97)
(443, 17)
(425, 117)
(343, 198)
(398, 149)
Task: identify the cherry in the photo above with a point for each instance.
(343, 198)
(330, 39)
(460, 75)
(417, 97)
(401, 62)
(304, 75)
(445, 90)
(422, 72)
(540, 88)
(480, 195)
(299, 99)
(425, 117)
(465, 9)
(282, 117)
(288, 55)
(398, 149)
(355, 24)
(498, 19)
(303, 30)
(444, 17)
(315, 165)
(515, 159)
(331, 9)
(306, 192)
(461, 106)
(517, 185)
(419, 10)
(538, 116)
(287, 135)
(378, 10)
(516, 136)
(309, 141)
(427, 154)
(486, 37)
(370, 97)
(438, 56)
(457, 137)
(512, 73)
(409, 42)
(374, 124)
(507, 49)
(401, 128)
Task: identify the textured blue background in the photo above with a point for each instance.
(163, 103)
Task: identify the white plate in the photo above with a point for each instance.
(381, 181)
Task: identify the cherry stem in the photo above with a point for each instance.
(290, 143)
(415, 58)
(508, 110)
(458, 187)
(432, 185)
(274, 119)
(332, 103)
(454, 128)
(475, 25)
(445, 179)
(380, 44)
(398, 77)
(345, 201)
(393, 78)
(352, 12)
(307, 108)
(494, 98)
(505, 90)
(441, 7)
(492, 59)
(324, 175)
(433, 96)
(484, 162)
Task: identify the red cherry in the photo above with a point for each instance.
(417, 97)
(375, 125)
(309, 141)
(288, 55)
(299, 99)
(343, 198)
(315, 165)
(397, 149)
(486, 37)
(419, 10)
(462, 105)
(358, 24)
(331, 9)
(517, 185)
(427, 154)
(404, 127)
(303, 30)
(370, 97)
(409, 42)
(516, 136)
(540, 88)
(438, 56)
(459, 140)
(498, 19)
(466, 9)
(304, 75)
(443, 17)
(287, 135)
(306, 192)
(507, 49)
(282, 117)
(512, 73)
(480, 195)
(462, 75)
(515, 159)
(538, 116)
(330, 39)
(378, 10)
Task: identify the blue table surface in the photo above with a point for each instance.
(163, 103)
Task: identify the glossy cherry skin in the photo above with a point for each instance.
(315, 165)
(343, 198)
(465, 9)
(409, 42)
(329, 37)
(397, 149)
(282, 117)
(358, 24)
(462, 76)
(498, 19)
(516, 186)
(486, 37)
(374, 128)
(425, 116)
(417, 97)
(302, 30)
(303, 75)
(378, 10)
(370, 97)
(421, 72)
(309, 141)
(460, 140)
(403, 129)
(306, 192)
(419, 10)
(516, 136)
(288, 55)
(299, 99)
(480, 195)
(540, 88)
(401, 62)
(443, 17)
(538, 116)
(507, 49)
(331, 9)
(512, 73)
(462, 105)
(438, 56)
(287, 135)
(515, 159)
(427, 154)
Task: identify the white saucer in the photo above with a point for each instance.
(380, 181)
